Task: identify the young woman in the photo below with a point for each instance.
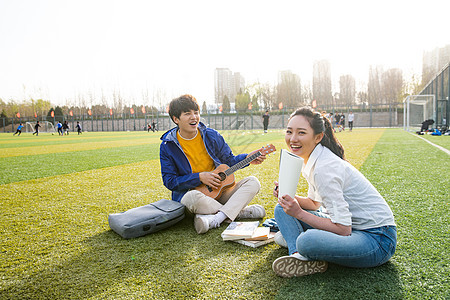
(354, 227)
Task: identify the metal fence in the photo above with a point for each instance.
(365, 116)
(440, 87)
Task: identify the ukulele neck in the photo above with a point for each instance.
(242, 163)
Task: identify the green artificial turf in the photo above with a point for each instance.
(56, 242)
(443, 140)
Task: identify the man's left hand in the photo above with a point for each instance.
(259, 159)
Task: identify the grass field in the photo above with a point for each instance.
(56, 194)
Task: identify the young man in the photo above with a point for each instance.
(351, 117)
(19, 129)
(65, 127)
(342, 121)
(78, 128)
(36, 128)
(188, 155)
(59, 126)
(266, 120)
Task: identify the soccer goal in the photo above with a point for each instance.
(417, 109)
(46, 126)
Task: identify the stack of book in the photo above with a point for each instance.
(248, 233)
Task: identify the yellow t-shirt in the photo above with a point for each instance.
(196, 153)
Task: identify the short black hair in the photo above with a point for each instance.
(184, 103)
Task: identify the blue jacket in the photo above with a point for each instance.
(175, 167)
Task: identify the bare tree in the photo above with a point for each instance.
(118, 101)
(374, 86)
(322, 83)
(392, 86)
(160, 97)
(289, 89)
(347, 90)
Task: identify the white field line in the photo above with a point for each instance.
(437, 146)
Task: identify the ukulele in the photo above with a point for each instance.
(227, 176)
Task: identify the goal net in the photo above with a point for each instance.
(417, 109)
(46, 126)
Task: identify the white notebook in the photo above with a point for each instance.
(290, 170)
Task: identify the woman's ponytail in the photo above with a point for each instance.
(330, 141)
(321, 124)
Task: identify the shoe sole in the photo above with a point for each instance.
(200, 225)
(294, 267)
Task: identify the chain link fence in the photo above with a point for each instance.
(365, 116)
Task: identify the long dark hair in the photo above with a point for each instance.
(321, 124)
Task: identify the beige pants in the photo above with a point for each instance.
(231, 202)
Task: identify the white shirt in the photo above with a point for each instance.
(348, 197)
(351, 117)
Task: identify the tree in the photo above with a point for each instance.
(59, 114)
(362, 97)
(117, 101)
(289, 90)
(374, 85)
(412, 86)
(226, 107)
(255, 104)
(49, 114)
(392, 86)
(100, 109)
(347, 90)
(322, 83)
(242, 101)
(264, 93)
(4, 116)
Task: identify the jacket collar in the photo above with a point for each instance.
(171, 134)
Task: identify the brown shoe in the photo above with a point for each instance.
(293, 266)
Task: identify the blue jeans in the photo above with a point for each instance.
(362, 249)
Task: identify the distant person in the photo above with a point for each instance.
(337, 119)
(78, 127)
(154, 126)
(59, 127)
(351, 117)
(266, 118)
(426, 124)
(66, 128)
(19, 129)
(355, 227)
(331, 118)
(149, 127)
(342, 121)
(36, 128)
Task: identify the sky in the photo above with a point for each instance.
(58, 49)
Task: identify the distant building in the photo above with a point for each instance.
(227, 83)
(434, 61)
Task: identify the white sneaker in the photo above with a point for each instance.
(279, 240)
(254, 211)
(294, 265)
(301, 257)
(203, 223)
